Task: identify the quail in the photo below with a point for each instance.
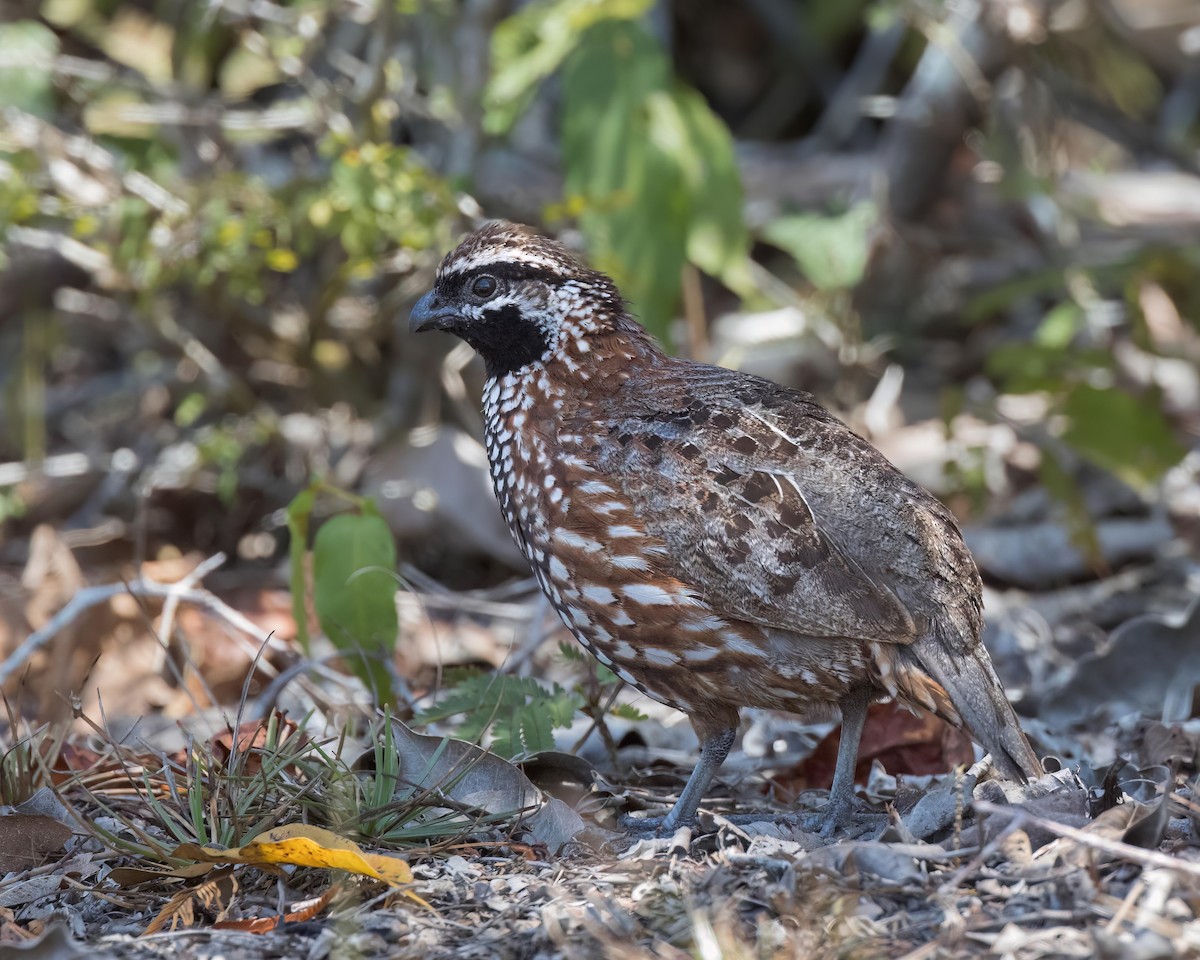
(716, 539)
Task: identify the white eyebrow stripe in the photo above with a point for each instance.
(486, 257)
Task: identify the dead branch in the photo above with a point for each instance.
(185, 591)
(1117, 848)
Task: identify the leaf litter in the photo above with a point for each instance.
(1086, 861)
(526, 858)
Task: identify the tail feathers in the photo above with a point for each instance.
(977, 702)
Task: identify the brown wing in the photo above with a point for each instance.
(777, 513)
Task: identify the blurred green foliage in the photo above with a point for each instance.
(31, 90)
(1123, 432)
(230, 178)
(519, 715)
(830, 249)
(533, 43)
(650, 170)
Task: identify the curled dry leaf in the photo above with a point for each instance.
(214, 894)
(473, 777)
(305, 910)
(893, 863)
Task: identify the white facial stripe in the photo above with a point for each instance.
(479, 310)
(501, 255)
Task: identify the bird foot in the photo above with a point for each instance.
(651, 826)
(844, 817)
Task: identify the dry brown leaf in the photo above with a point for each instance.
(132, 876)
(249, 740)
(478, 778)
(902, 742)
(25, 839)
(305, 910)
(215, 894)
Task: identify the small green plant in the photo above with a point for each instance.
(520, 713)
(228, 790)
(385, 803)
(353, 583)
(598, 686)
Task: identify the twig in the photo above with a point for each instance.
(182, 592)
(464, 603)
(171, 604)
(980, 857)
(693, 313)
(1125, 851)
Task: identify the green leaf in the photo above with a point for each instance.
(533, 43)
(1059, 326)
(526, 730)
(627, 711)
(652, 170)
(1030, 367)
(298, 513)
(717, 240)
(648, 165)
(354, 592)
(635, 201)
(28, 87)
(831, 250)
(1123, 433)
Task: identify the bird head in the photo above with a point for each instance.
(518, 298)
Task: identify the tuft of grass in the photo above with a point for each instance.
(26, 756)
(228, 789)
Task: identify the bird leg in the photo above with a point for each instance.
(714, 748)
(713, 752)
(841, 794)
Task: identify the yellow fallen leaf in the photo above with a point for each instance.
(303, 845)
(309, 846)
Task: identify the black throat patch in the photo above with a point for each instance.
(506, 340)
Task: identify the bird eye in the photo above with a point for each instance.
(485, 287)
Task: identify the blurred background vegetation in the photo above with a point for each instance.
(973, 229)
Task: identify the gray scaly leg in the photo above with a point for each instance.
(713, 752)
(841, 794)
(714, 748)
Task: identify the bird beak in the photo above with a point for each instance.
(428, 314)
